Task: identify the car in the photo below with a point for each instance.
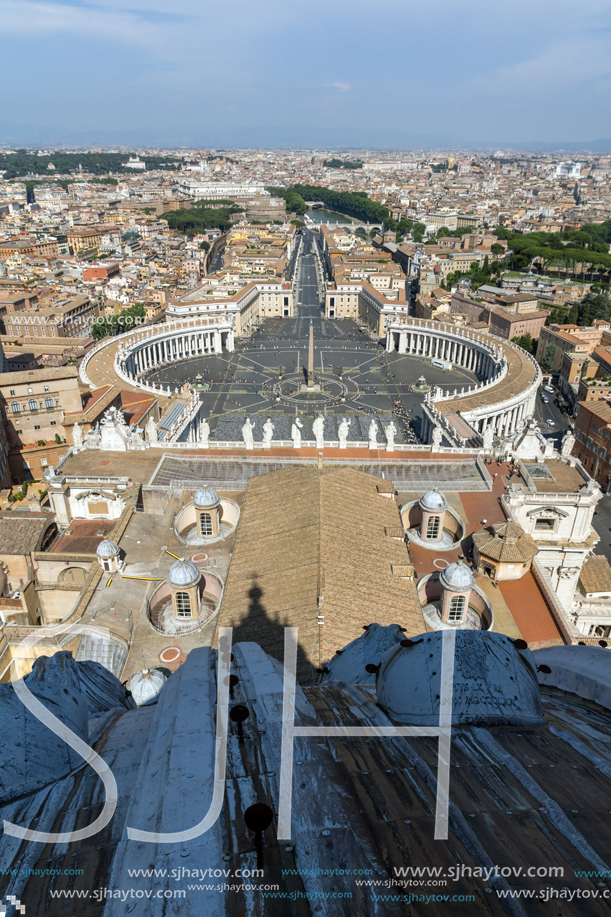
(550, 422)
(544, 398)
(548, 388)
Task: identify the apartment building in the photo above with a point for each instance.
(593, 389)
(593, 440)
(33, 404)
(15, 302)
(82, 237)
(98, 272)
(556, 340)
(30, 248)
(63, 318)
(509, 324)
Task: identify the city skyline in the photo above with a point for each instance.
(399, 75)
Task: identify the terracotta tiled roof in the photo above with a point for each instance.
(596, 575)
(312, 546)
(505, 542)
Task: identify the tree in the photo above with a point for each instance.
(204, 246)
(525, 341)
(549, 357)
(497, 249)
(118, 324)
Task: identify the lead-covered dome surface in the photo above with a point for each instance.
(349, 664)
(205, 497)
(433, 499)
(492, 682)
(457, 576)
(183, 573)
(107, 548)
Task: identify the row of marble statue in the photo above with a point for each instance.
(318, 429)
(113, 434)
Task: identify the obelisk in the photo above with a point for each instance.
(311, 357)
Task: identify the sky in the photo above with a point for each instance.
(306, 73)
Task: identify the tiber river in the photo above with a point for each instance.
(328, 216)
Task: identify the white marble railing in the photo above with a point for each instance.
(311, 444)
(566, 627)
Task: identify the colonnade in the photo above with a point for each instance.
(467, 354)
(149, 353)
(438, 342)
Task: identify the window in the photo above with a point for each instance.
(457, 607)
(589, 443)
(46, 388)
(12, 391)
(53, 423)
(30, 392)
(48, 402)
(57, 403)
(595, 448)
(603, 453)
(543, 524)
(14, 407)
(183, 605)
(32, 403)
(37, 426)
(205, 524)
(432, 528)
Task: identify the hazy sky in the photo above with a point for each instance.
(306, 72)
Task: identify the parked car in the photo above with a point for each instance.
(548, 388)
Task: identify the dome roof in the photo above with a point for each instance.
(349, 663)
(183, 573)
(505, 542)
(107, 548)
(205, 497)
(433, 499)
(146, 686)
(457, 576)
(494, 677)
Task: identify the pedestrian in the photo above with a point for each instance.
(484, 522)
